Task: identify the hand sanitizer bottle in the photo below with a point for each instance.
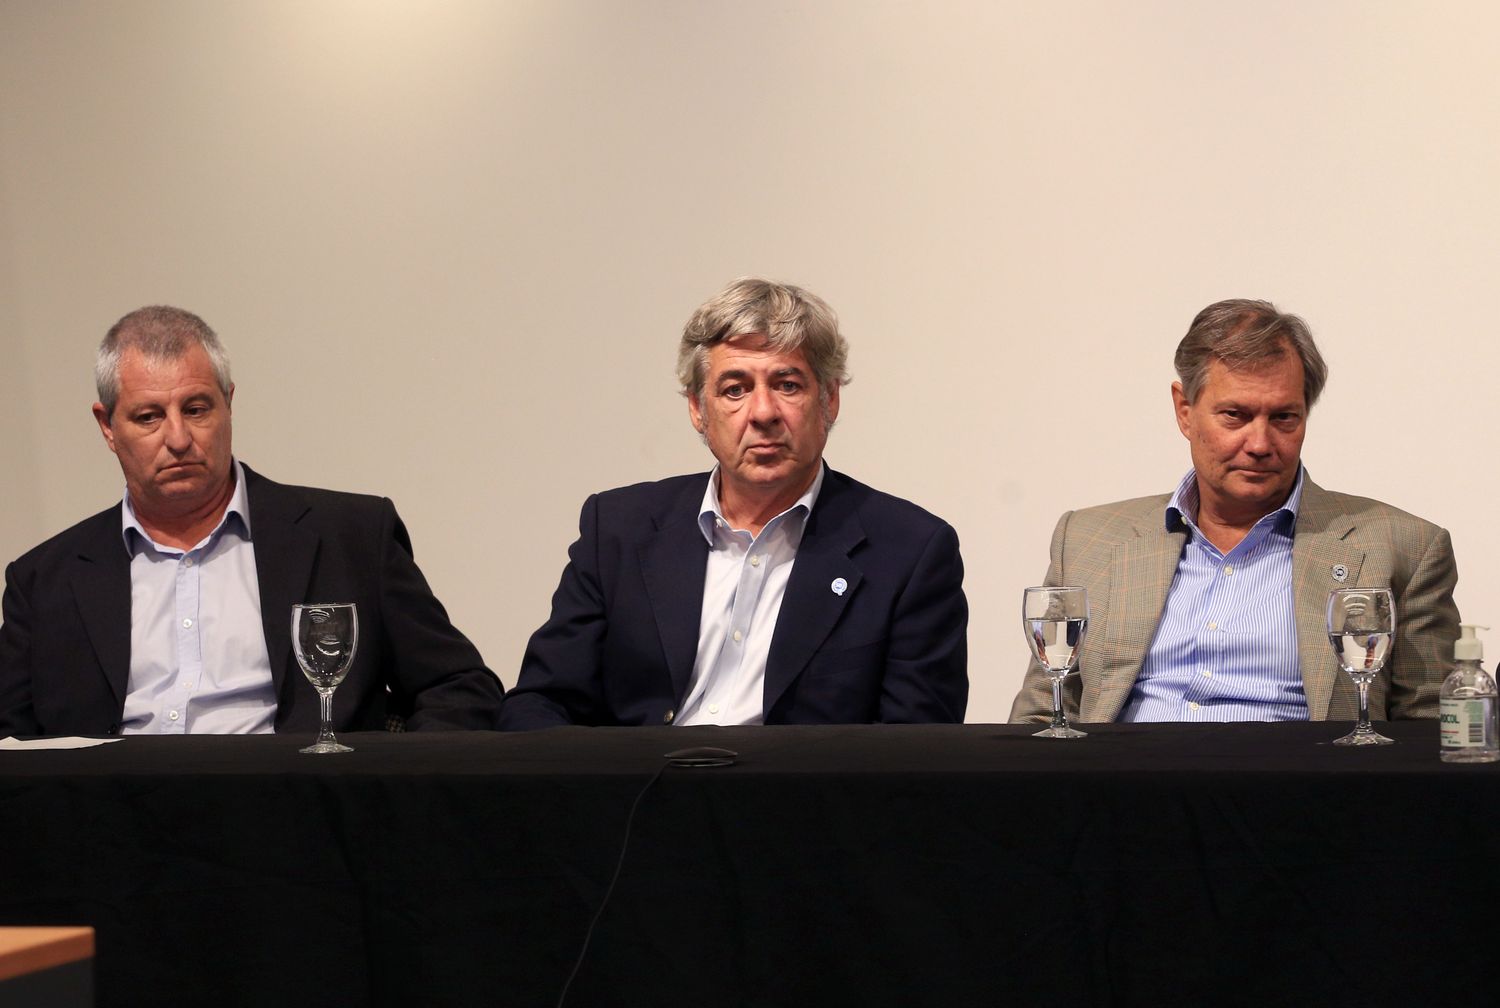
(1467, 705)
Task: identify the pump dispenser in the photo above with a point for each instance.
(1468, 705)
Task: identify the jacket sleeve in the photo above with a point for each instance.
(437, 675)
(560, 681)
(17, 716)
(1034, 701)
(1426, 627)
(927, 665)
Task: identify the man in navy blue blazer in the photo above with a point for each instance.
(771, 590)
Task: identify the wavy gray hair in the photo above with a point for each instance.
(790, 317)
(159, 332)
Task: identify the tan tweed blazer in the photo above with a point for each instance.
(1126, 559)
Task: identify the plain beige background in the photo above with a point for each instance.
(450, 246)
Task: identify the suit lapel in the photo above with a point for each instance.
(833, 530)
(672, 566)
(1142, 575)
(101, 586)
(1321, 543)
(284, 556)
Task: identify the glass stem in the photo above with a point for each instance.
(1364, 705)
(1058, 721)
(325, 706)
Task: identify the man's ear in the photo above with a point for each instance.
(1182, 408)
(101, 417)
(695, 412)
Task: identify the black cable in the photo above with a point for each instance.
(609, 889)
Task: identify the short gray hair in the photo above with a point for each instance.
(789, 317)
(1244, 333)
(159, 332)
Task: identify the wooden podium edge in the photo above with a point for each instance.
(29, 949)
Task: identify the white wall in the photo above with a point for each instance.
(450, 246)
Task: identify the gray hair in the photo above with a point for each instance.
(1242, 333)
(159, 332)
(789, 317)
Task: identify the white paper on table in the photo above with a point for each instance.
(54, 743)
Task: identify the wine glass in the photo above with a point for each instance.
(1361, 625)
(1055, 620)
(324, 637)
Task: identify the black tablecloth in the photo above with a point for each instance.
(946, 866)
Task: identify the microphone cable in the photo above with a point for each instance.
(610, 889)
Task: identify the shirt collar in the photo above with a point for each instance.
(709, 513)
(1182, 509)
(135, 534)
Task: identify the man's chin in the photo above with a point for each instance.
(765, 474)
(185, 485)
(180, 484)
(1271, 489)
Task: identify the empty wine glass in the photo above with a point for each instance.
(1055, 620)
(1361, 626)
(324, 637)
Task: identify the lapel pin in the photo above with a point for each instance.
(839, 586)
(1340, 573)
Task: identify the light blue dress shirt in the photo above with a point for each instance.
(198, 660)
(1226, 646)
(744, 581)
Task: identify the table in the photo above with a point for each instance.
(869, 865)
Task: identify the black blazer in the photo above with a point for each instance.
(65, 643)
(623, 635)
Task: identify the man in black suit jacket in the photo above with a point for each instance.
(770, 591)
(66, 643)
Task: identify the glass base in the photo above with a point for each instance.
(1062, 732)
(1367, 737)
(326, 747)
(1470, 756)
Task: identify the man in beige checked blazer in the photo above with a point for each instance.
(1164, 608)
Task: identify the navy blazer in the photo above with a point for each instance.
(620, 644)
(65, 643)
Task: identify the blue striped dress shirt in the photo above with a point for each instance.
(1226, 646)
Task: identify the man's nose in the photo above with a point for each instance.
(175, 431)
(1258, 437)
(764, 409)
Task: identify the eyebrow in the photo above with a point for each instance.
(740, 374)
(1235, 404)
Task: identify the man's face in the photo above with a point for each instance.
(762, 416)
(1246, 433)
(171, 432)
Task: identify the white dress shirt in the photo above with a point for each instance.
(744, 582)
(198, 660)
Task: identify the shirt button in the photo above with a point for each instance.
(187, 561)
(1228, 569)
(755, 561)
(668, 716)
(174, 715)
(1207, 674)
(1213, 626)
(1192, 705)
(187, 624)
(738, 636)
(713, 708)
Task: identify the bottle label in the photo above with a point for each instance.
(1461, 723)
